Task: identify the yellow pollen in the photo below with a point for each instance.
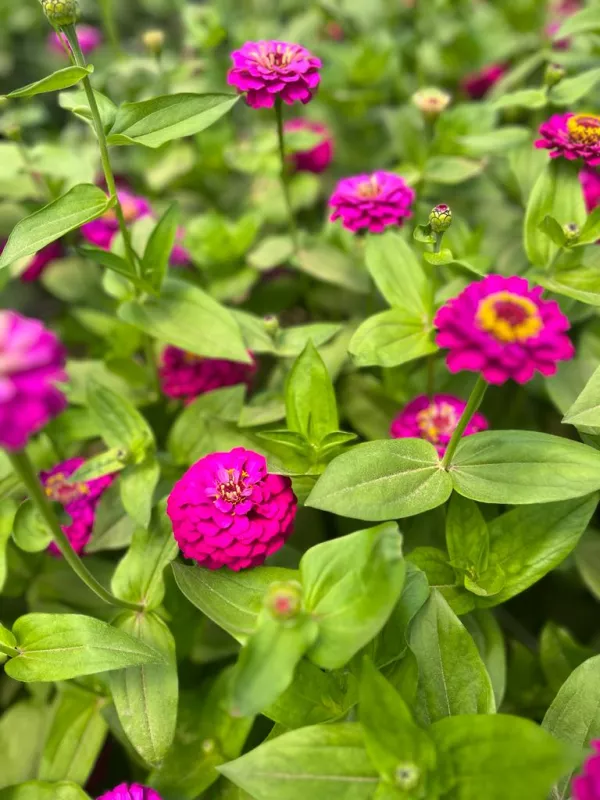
(435, 420)
(369, 188)
(509, 317)
(584, 128)
(59, 490)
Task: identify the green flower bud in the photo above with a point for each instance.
(154, 41)
(284, 599)
(554, 74)
(271, 324)
(571, 231)
(61, 13)
(440, 218)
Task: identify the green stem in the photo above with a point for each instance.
(472, 405)
(431, 358)
(25, 470)
(151, 363)
(285, 183)
(9, 651)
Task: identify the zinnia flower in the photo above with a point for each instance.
(434, 419)
(185, 375)
(38, 263)
(478, 84)
(90, 39)
(31, 364)
(266, 70)
(587, 785)
(131, 791)
(572, 136)
(78, 499)
(372, 202)
(318, 157)
(228, 511)
(503, 329)
(590, 183)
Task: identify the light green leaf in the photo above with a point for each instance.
(330, 265)
(290, 342)
(391, 338)
(398, 274)
(489, 640)
(30, 532)
(493, 142)
(61, 79)
(121, 424)
(8, 509)
(137, 484)
(570, 90)
(22, 728)
(38, 790)
(113, 528)
(522, 98)
(77, 103)
(159, 248)
(585, 21)
(585, 411)
(582, 283)
(311, 407)
(271, 252)
(467, 537)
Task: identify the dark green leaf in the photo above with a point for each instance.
(488, 637)
(160, 245)
(560, 654)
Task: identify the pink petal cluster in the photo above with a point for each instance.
(31, 364)
(572, 136)
(79, 500)
(587, 785)
(503, 329)
(590, 183)
(434, 419)
(39, 262)
(477, 84)
(185, 375)
(319, 157)
(90, 38)
(133, 791)
(267, 70)
(228, 511)
(372, 202)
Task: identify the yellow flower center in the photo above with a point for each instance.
(58, 490)
(584, 128)
(280, 57)
(509, 317)
(438, 419)
(369, 188)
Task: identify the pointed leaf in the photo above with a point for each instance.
(61, 79)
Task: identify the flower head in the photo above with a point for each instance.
(131, 791)
(31, 364)
(78, 499)
(154, 40)
(90, 38)
(590, 183)
(572, 136)
(440, 218)
(503, 329)
(431, 101)
(185, 375)
(434, 419)
(61, 13)
(38, 263)
(269, 69)
(477, 84)
(318, 157)
(372, 202)
(228, 511)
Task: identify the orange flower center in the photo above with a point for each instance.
(584, 128)
(280, 57)
(59, 491)
(438, 419)
(370, 188)
(509, 317)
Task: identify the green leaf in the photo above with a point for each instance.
(77, 103)
(560, 654)
(493, 142)
(113, 528)
(105, 463)
(590, 232)
(467, 537)
(522, 98)
(75, 737)
(8, 509)
(585, 411)
(489, 640)
(162, 119)
(38, 790)
(290, 342)
(570, 90)
(522, 467)
(383, 480)
(351, 586)
(81, 204)
(159, 248)
(398, 274)
(585, 21)
(115, 263)
(145, 696)
(311, 407)
(439, 259)
(587, 558)
(22, 729)
(56, 647)
(326, 762)
(451, 170)
(497, 757)
(330, 265)
(188, 318)
(121, 424)
(137, 484)
(452, 677)
(271, 252)
(554, 230)
(61, 79)
(391, 338)
(581, 284)
(30, 532)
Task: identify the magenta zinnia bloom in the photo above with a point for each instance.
(434, 419)
(503, 329)
(31, 364)
(572, 136)
(185, 375)
(131, 791)
(318, 158)
(478, 84)
(39, 262)
(587, 785)
(90, 39)
(228, 511)
(266, 70)
(78, 499)
(372, 202)
(590, 183)
(101, 232)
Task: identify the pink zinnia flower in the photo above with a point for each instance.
(503, 329)
(587, 785)
(31, 364)
(131, 791)
(266, 70)
(318, 158)
(572, 136)
(590, 183)
(39, 262)
(434, 419)
(101, 232)
(78, 499)
(89, 37)
(185, 375)
(372, 202)
(478, 84)
(228, 511)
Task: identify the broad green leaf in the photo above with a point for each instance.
(77, 103)
(75, 737)
(57, 647)
(113, 528)
(522, 467)
(351, 586)
(331, 265)
(522, 98)
(582, 283)
(493, 142)
(570, 90)
(452, 677)
(40, 790)
(22, 728)
(117, 264)
(290, 342)
(560, 654)
(160, 245)
(30, 532)
(467, 537)
(554, 230)
(383, 480)
(452, 169)
(188, 318)
(162, 119)
(137, 484)
(398, 274)
(391, 338)
(145, 696)
(489, 639)
(442, 576)
(325, 762)
(8, 509)
(81, 204)
(585, 411)
(585, 21)
(271, 252)
(311, 407)
(61, 79)
(121, 424)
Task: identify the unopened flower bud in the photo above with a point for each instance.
(61, 13)
(271, 324)
(154, 40)
(554, 74)
(431, 101)
(284, 599)
(440, 218)
(571, 231)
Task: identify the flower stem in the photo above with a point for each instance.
(23, 467)
(285, 183)
(473, 404)
(431, 358)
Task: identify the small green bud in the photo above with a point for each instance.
(271, 324)
(154, 41)
(571, 231)
(431, 101)
(554, 74)
(440, 218)
(284, 599)
(407, 776)
(61, 13)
